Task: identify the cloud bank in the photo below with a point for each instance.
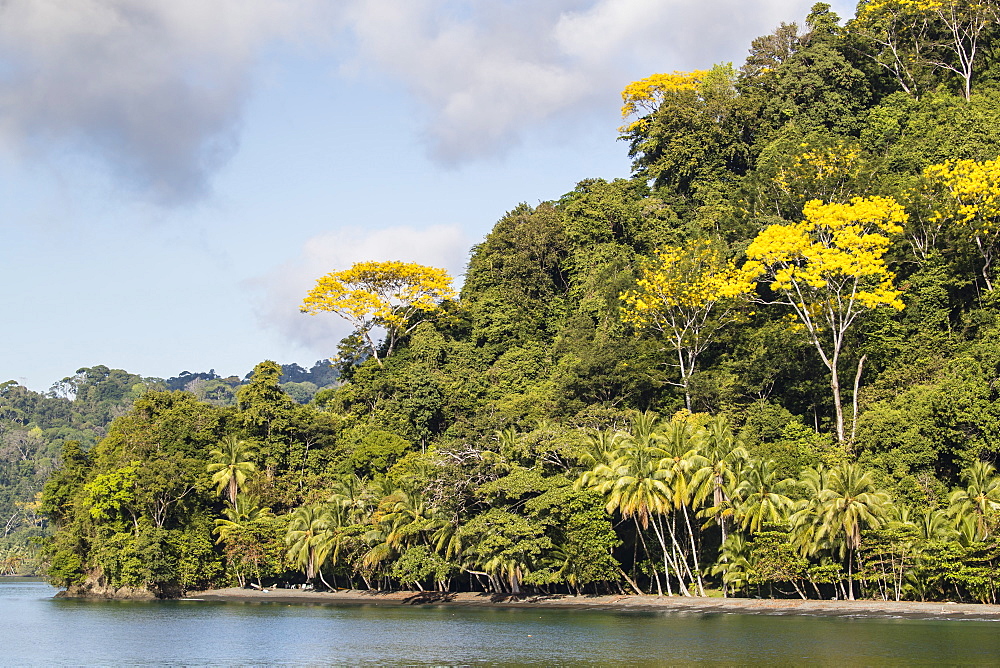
(486, 72)
(156, 89)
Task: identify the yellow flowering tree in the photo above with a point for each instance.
(645, 96)
(683, 127)
(687, 294)
(796, 168)
(825, 172)
(380, 294)
(830, 270)
(970, 198)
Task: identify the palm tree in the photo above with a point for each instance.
(409, 519)
(231, 466)
(980, 497)
(733, 563)
(760, 500)
(724, 456)
(682, 460)
(806, 520)
(600, 447)
(632, 481)
(246, 509)
(934, 525)
(636, 486)
(349, 498)
(850, 503)
(447, 538)
(510, 568)
(308, 538)
(642, 490)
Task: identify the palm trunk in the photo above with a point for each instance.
(694, 551)
(630, 581)
(656, 576)
(672, 559)
(850, 574)
(679, 555)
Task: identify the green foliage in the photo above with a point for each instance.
(376, 451)
(420, 564)
(510, 443)
(775, 559)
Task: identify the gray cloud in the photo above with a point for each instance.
(154, 88)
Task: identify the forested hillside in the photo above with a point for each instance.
(765, 363)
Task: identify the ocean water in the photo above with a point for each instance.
(39, 630)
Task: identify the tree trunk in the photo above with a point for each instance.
(694, 552)
(854, 398)
(656, 576)
(630, 581)
(837, 405)
(850, 574)
(371, 346)
(685, 373)
(986, 263)
(672, 561)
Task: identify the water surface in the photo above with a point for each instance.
(36, 629)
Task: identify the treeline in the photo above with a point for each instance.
(765, 364)
(34, 426)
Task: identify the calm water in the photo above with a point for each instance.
(38, 630)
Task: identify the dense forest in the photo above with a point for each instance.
(35, 426)
(764, 364)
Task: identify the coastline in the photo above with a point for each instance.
(628, 604)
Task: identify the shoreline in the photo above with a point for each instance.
(612, 603)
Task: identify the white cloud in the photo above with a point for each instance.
(156, 89)
(281, 291)
(489, 71)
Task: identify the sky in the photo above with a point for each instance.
(176, 175)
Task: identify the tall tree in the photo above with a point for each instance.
(307, 536)
(688, 294)
(723, 457)
(979, 498)
(849, 505)
(761, 500)
(830, 270)
(381, 294)
(687, 127)
(971, 200)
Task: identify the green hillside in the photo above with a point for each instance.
(765, 363)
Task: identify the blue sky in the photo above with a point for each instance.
(175, 175)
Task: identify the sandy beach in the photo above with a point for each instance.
(634, 604)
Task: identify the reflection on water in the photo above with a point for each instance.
(36, 629)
